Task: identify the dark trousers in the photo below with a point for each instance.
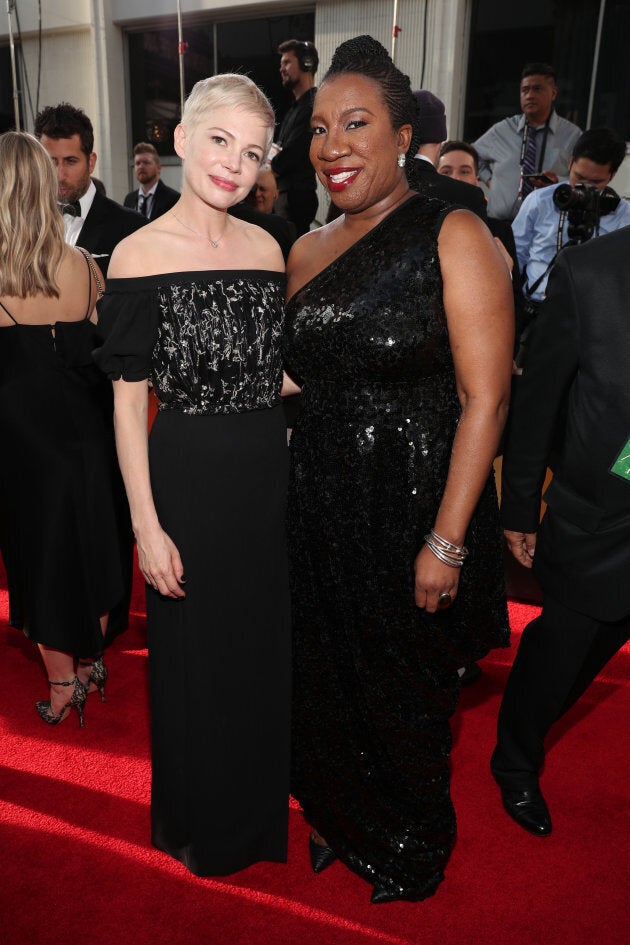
(560, 654)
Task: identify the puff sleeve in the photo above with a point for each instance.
(127, 328)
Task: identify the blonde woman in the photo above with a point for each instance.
(194, 304)
(63, 516)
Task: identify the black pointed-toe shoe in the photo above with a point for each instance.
(529, 810)
(469, 673)
(321, 856)
(381, 894)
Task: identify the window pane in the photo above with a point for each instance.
(250, 46)
(612, 91)
(504, 37)
(154, 80)
(247, 46)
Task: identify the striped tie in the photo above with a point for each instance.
(529, 159)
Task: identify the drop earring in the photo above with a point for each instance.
(402, 160)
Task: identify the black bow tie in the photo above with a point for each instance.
(72, 209)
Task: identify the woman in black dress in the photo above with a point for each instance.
(194, 304)
(64, 522)
(397, 327)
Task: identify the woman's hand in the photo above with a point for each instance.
(432, 579)
(160, 563)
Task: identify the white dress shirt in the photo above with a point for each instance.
(74, 225)
(536, 234)
(148, 200)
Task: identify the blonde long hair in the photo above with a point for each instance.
(31, 225)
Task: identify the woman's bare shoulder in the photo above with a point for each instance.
(148, 251)
(309, 255)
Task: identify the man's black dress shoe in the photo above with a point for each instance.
(529, 810)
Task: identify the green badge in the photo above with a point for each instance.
(621, 466)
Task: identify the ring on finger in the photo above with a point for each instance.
(444, 600)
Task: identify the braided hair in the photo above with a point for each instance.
(365, 56)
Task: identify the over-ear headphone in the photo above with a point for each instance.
(306, 57)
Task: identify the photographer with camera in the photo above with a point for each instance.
(567, 214)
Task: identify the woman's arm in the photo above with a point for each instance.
(479, 307)
(289, 387)
(158, 557)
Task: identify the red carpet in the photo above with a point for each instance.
(77, 865)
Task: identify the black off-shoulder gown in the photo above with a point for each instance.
(375, 678)
(219, 659)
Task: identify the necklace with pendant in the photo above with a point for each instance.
(214, 243)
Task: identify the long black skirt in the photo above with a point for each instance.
(220, 658)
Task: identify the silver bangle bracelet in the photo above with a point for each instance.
(448, 546)
(451, 560)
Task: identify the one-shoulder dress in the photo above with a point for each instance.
(64, 522)
(219, 659)
(375, 678)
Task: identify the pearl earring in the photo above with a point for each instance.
(402, 160)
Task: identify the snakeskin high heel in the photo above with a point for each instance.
(76, 701)
(98, 676)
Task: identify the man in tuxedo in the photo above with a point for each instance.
(153, 197)
(573, 398)
(92, 220)
(425, 176)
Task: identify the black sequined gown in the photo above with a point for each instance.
(375, 678)
(219, 660)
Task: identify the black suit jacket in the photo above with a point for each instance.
(106, 224)
(282, 230)
(427, 180)
(165, 198)
(292, 165)
(574, 397)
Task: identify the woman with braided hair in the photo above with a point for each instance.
(397, 329)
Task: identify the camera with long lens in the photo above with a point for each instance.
(584, 207)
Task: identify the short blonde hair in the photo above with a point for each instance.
(234, 91)
(31, 225)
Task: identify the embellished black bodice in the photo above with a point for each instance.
(208, 341)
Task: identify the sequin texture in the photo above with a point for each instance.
(375, 678)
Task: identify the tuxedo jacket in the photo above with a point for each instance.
(106, 224)
(165, 198)
(429, 182)
(574, 398)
